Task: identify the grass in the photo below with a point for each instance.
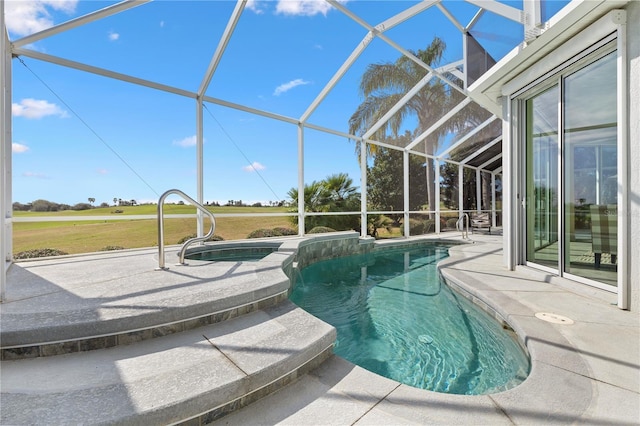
(147, 209)
(89, 236)
(94, 235)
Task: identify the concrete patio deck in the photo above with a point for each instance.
(584, 373)
(587, 372)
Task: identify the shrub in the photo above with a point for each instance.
(416, 227)
(42, 252)
(286, 231)
(429, 226)
(262, 233)
(419, 227)
(376, 222)
(321, 230)
(451, 223)
(111, 248)
(275, 232)
(188, 237)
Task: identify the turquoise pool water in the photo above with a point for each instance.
(232, 254)
(396, 317)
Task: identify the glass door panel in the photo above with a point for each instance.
(542, 178)
(590, 171)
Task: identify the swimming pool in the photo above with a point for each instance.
(396, 317)
(233, 252)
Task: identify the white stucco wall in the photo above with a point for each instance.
(633, 56)
(541, 62)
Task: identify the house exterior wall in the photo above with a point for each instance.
(633, 58)
(580, 40)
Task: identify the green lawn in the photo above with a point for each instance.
(152, 209)
(88, 236)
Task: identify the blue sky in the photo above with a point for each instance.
(77, 135)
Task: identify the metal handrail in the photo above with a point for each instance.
(189, 241)
(465, 232)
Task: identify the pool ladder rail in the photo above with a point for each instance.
(463, 227)
(161, 262)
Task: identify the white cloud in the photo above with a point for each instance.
(34, 108)
(291, 7)
(113, 36)
(28, 17)
(36, 175)
(253, 167)
(102, 171)
(288, 86)
(19, 148)
(186, 142)
(303, 7)
(256, 6)
(161, 24)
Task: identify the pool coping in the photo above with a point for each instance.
(579, 372)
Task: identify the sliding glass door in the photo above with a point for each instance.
(590, 171)
(542, 178)
(571, 172)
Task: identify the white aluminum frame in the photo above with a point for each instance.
(6, 209)
(18, 48)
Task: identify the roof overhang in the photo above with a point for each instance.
(567, 23)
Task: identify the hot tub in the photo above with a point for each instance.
(240, 251)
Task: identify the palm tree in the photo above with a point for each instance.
(340, 192)
(314, 196)
(384, 84)
(335, 193)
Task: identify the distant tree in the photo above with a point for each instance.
(133, 202)
(385, 181)
(449, 182)
(17, 207)
(82, 206)
(105, 204)
(91, 200)
(44, 206)
(115, 201)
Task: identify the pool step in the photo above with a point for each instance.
(130, 305)
(196, 375)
